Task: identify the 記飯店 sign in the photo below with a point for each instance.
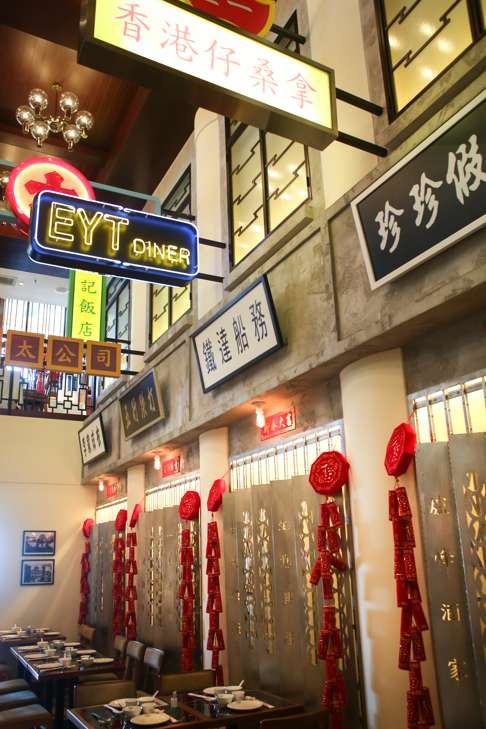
(243, 333)
(96, 236)
(141, 405)
(163, 44)
(434, 197)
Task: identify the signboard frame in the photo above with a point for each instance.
(97, 421)
(125, 395)
(109, 58)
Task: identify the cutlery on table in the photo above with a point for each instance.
(200, 696)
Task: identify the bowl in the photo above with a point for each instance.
(148, 707)
(131, 711)
(225, 699)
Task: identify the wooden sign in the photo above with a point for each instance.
(141, 405)
(24, 349)
(103, 358)
(64, 354)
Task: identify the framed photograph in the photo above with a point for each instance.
(39, 544)
(37, 572)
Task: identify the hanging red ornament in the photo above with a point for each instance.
(121, 520)
(88, 524)
(215, 496)
(85, 569)
(214, 607)
(411, 652)
(119, 545)
(329, 473)
(189, 505)
(137, 510)
(400, 449)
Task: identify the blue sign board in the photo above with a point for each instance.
(72, 232)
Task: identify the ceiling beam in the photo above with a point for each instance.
(54, 20)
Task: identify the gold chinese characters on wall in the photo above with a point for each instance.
(63, 354)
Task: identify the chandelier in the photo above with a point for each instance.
(36, 120)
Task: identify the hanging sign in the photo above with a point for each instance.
(171, 466)
(96, 236)
(92, 440)
(243, 333)
(141, 405)
(86, 306)
(431, 199)
(24, 349)
(164, 44)
(64, 354)
(278, 423)
(254, 16)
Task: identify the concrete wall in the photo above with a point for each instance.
(40, 489)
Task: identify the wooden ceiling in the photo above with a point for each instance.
(137, 132)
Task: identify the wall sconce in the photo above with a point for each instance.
(101, 485)
(157, 464)
(259, 413)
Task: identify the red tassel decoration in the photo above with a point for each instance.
(186, 595)
(215, 640)
(118, 615)
(130, 589)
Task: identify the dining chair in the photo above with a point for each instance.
(102, 693)
(26, 717)
(193, 681)
(152, 668)
(15, 699)
(120, 650)
(87, 635)
(310, 720)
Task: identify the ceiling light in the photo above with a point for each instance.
(60, 290)
(259, 413)
(20, 283)
(66, 119)
(157, 463)
(101, 485)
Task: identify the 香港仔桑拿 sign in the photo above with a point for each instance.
(166, 45)
(96, 236)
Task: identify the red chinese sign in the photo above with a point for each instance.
(24, 349)
(171, 466)
(103, 358)
(254, 16)
(111, 490)
(64, 354)
(278, 424)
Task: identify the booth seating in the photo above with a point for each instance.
(120, 648)
(26, 717)
(14, 699)
(101, 693)
(87, 635)
(193, 681)
(5, 672)
(311, 720)
(13, 684)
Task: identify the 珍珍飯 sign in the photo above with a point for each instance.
(243, 333)
(141, 405)
(96, 236)
(164, 44)
(432, 198)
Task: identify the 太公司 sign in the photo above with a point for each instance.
(92, 442)
(434, 197)
(96, 236)
(141, 405)
(164, 44)
(244, 332)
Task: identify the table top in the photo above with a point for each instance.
(34, 666)
(191, 713)
(9, 639)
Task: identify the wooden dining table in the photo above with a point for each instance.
(192, 713)
(8, 640)
(53, 684)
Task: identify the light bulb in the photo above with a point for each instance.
(101, 485)
(38, 99)
(25, 117)
(71, 135)
(157, 463)
(84, 121)
(260, 418)
(68, 103)
(40, 131)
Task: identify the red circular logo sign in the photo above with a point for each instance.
(215, 496)
(400, 449)
(43, 173)
(329, 473)
(189, 505)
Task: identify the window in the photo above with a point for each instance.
(169, 303)
(268, 178)
(33, 316)
(424, 37)
(117, 322)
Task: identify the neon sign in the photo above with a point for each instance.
(72, 232)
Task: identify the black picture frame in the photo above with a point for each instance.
(99, 421)
(37, 572)
(38, 543)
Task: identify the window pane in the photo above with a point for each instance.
(124, 313)
(181, 302)
(160, 311)
(111, 321)
(287, 177)
(424, 42)
(247, 191)
(179, 199)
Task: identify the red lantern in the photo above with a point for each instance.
(121, 520)
(215, 496)
(88, 524)
(189, 505)
(329, 473)
(400, 449)
(137, 510)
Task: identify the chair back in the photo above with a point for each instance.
(310, 720)
(87, 634)
(120, 647)
(92, 694)
(152, 663)
(134, 662)
(193, 681)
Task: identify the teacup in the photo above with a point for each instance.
(239, 695)
(224, 699)
(43, 644)
(50, 652)
(148, 707)
(131, 711)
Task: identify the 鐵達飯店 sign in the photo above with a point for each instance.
(432, 198)
(141, 405)
(243, 333)
(163, 44)
(95, 236)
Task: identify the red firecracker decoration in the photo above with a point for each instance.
(329, 473)
(400, 451)
(131, 571)
(118, 616)
(188, 510)
(85, 568)
(214, 607)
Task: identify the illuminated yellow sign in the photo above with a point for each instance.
(229, 71)
(86, 306)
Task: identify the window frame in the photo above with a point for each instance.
(231, 138)
(478, 30)
(115, 300)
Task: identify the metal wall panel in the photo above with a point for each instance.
(101, 582)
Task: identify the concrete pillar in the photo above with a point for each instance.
(135, 487)
(209, 172)
(374, 402)
(213, 464)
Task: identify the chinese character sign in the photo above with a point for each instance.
(225, 70)
(24, 349)
(92, 441)
(243, 333)
(86, 305)
(277, 424)
(64, 354)
(171, 466)
(103, 358)
(428, 201)
(141, 405)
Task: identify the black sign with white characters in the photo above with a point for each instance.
(434, 197)
(141, 405)
(245, 331)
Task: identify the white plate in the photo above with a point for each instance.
(246, 705)
(23, 648)
(103, 660)
(121, 703)
(49, 666)
(211, 690)
(86, 652)
(29, 656)
(10, 635)
(51, 632)
(72, 644)
(150, 719)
